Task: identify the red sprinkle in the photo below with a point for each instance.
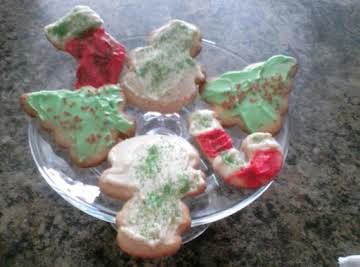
(100, 57)
(264, 165)
(214, 142)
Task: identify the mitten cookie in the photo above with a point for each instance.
(163, 75)
(153, 173)
(257, 162)
(87, 121)
(81, 34)
(255, 98)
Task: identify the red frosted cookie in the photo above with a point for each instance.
(100, 56)
(257, 162)
(213, 142)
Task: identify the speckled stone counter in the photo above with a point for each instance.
(309, 217)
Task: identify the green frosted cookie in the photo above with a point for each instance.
(87, 121)
(255, 98)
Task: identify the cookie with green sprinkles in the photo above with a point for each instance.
(255, 98)
(88, 122)
(154, 174)
(163, 76)
(78, 21)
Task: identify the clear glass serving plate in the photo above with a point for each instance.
(79, 186)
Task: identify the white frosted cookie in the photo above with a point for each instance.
(163, 76)
(153, 173)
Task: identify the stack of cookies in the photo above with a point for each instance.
(152, 173)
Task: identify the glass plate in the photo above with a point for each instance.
(79, 186)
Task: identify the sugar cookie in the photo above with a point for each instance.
(256, 163)
(153, 173)
(163, 76)
(255, 98)
(81, 34)
(87, 121)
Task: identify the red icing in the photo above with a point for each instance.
(100, 58)
(263, 166)
(213, 142)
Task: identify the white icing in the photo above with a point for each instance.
(164, 69)
(154, 164)
(226, 167)
(258, 141)
(202, 121)
(77, 21)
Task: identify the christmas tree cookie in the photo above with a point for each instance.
(87, 121)
(255, 98)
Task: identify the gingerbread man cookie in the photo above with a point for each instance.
(163, 75)
(152, 173)
(257, 162)
(81, 34)
(255, 98)
(87, 121)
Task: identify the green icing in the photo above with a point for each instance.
(79, 20)
(86, 116)
(166, 57)
(255, 115)
(218, 91)
(256, 94)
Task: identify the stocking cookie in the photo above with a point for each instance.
(257, 162)
(255, 98)
(163, 75)
(153, 173)
(87, 121)
(81, 34)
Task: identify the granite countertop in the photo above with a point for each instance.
(309, 217)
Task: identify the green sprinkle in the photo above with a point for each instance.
(60, 29)
(202, 120)
(184, 184)
(149, 167)
(257, 139)
(228, 159)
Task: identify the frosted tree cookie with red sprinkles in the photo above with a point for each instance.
(257, 162)
(80, 33)
(163, 76)
(255, 98)
(88, 122)
(152, 173)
